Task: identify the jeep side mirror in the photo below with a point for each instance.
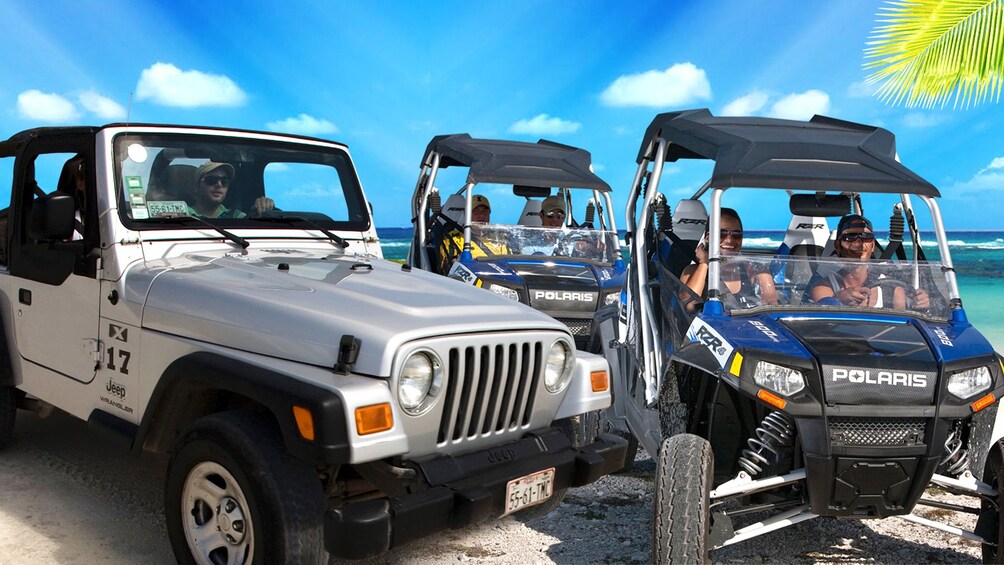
(51, 217)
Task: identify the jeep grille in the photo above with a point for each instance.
(489, 389)
(877, 431)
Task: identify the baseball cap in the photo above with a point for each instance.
(552, 202)
(480, 200)
(210, 166)
(853, 221)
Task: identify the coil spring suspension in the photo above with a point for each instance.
(775, 433)
(956, 459)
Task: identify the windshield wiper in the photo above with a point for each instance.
(184, 218)
(292, 220)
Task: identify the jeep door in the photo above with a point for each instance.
(54, 286)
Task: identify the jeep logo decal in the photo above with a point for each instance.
(881, 378)
(501, 455)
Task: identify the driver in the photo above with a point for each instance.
(212, 182)
(854, 284)
(453, 243)
(552, 212)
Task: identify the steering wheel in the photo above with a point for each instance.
(568, 242)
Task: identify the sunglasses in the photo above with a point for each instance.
(735, 234)
(852, 237)
(211, 180)
(554, 213)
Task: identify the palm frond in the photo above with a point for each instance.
(927, 52)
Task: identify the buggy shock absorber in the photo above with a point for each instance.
(775, 433)
(662, 213)
(956, 459)
(435, 202)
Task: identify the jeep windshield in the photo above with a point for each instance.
(236, 182)
(511, 241)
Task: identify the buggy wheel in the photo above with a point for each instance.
(234, 495)
(682, 518)
(8, 413)
(990, 516)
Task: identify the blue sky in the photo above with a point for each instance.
(384, 77)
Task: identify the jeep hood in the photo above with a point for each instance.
(296, 305)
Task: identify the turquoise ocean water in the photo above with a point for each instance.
(978, 257)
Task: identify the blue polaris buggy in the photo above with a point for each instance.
(763, 401)
(567, 271)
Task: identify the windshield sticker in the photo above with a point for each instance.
(137, 197)
(706, 335)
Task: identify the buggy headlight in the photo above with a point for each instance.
(611, 298)
(504, 291)
(419, 382)
(969, 382)
(782, 380)
(557, 367)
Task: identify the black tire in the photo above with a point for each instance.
(8, 413)
(990, 523)
(233, 468)
(681, 520)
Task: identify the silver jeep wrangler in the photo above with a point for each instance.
(220, 295)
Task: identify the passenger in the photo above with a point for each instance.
(740, 279)
(212, 182)
(854, 284)
(453, 243)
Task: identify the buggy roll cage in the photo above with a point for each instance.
(543, 164)
(754, 152)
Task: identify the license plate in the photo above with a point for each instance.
(529, 490)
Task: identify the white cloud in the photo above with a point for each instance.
(862, 89)
(682, 83)
(303, 124)
(801, 106)
(167, 85)
(102, 107)
(988, 178)
(919, 120)
(747, 105)
(542, 124)
(37, 105)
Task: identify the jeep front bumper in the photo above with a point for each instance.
(466, 489)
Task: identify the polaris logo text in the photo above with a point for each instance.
(563, 295)
(887, 378)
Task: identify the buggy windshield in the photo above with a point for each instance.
(509, 241)
(755, 281)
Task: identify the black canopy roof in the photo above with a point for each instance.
(821, 154)
(544, 163)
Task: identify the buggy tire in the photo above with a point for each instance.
(233, 494)
(8, 413)
(681, 518)
(990, 523)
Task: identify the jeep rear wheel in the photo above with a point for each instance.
(234, 495)
(681, 519)
(8, 412)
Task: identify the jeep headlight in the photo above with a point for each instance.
(558, 367)
(504, 291)
(419, 382)
(969, 382)
(782, 380)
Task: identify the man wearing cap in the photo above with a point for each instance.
(453, 243)
(854, 285)
(212, 182)
(552, 212)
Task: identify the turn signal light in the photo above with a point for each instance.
(983, 402)
(772, 399)
(599, 380)
(304, 422)
(374, 418)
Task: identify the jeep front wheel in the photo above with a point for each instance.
(681, 520)
(234, 495)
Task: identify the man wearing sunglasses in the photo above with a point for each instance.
(854, 285)
(552, 212)
(212, 182)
